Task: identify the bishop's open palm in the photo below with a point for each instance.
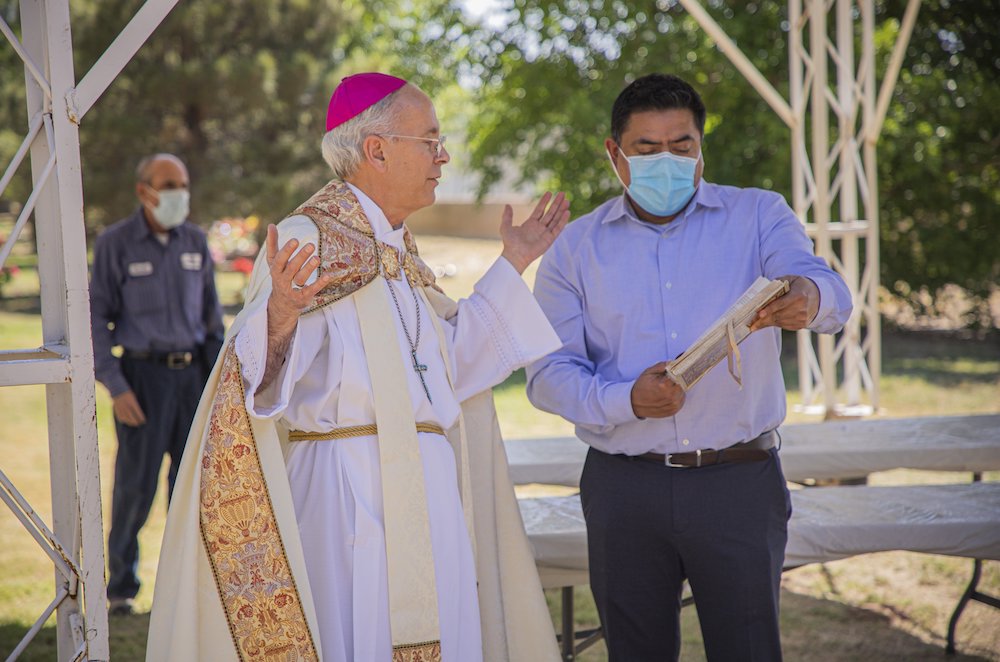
(524, 243)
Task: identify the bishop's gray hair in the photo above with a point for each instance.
(343, 146)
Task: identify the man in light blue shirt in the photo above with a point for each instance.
(678, 485)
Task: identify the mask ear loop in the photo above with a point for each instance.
(614, 168)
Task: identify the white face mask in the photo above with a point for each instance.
(173, 208)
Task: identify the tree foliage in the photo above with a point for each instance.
(239, 90)
(236, 89)
(551, 76)
(939, 155)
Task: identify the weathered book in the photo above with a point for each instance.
(722, 339)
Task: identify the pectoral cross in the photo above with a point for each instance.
(420, 369)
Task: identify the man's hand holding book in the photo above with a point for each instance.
(792, 311)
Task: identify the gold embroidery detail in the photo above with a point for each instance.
(354, 431)
(428, 651)
(348, 248)
(241, 537)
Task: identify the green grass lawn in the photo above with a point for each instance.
(891, 606)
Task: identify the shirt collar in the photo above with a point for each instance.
(141, 229)
(380, 224)
(705, 196)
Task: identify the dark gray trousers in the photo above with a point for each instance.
(721, 527)
(169, 398)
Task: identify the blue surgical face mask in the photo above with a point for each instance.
(663, 183)
(172, 208)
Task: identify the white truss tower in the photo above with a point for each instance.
(826, 178)
(65, 362)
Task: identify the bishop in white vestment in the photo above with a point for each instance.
(346, 497)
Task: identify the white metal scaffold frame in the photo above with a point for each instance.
(65, 362)
(859, 116)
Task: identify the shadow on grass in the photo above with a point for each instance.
(827, 630)
(127, 640)
(811, 629)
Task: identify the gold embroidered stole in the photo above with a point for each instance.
(240, 532)
(413, 609)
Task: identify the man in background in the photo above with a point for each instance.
(152, 293)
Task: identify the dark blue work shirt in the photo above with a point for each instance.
(159, 298)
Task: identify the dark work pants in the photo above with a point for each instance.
(722, 527)
(169, 399)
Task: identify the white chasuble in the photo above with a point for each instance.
(335, 485)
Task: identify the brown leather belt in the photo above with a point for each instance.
(174, 360)
(755, 450)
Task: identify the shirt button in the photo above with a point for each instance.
(673, 335)
(668, 285)
(686, 442)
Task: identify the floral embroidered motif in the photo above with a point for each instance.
(241, 536)
(429, 651)
(238, 526)
(348, 248)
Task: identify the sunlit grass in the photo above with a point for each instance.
(877, 607)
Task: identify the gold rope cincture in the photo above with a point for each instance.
(409, 554)
(465, 471)
(355, 431)
(733, 355)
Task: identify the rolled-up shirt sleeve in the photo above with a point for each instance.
(566, 381)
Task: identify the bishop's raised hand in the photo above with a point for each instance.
(290, 270)
(525, 243)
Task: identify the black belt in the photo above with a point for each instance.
(173, 360)
(755, 450)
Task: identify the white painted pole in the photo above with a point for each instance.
(797, 98)
(740, 61)
(848, 198)
(895, 63)
(873, 318)
(72, 407)
(821, 177)
(61, 470)
(65, 363)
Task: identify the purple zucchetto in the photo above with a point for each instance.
(358, 93)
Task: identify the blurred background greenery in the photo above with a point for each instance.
(239, 90)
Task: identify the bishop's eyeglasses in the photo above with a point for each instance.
(437, 144)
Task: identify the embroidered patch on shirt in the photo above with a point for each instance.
(136, 269)
(191, 261)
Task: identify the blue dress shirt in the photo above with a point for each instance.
(624, 294)
(158, 298)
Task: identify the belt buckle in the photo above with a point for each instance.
(667, 462)
(178, 360)
(697, 454)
